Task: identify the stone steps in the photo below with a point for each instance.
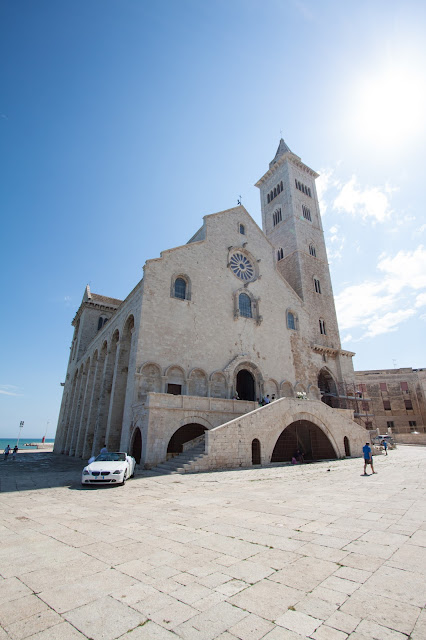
(182, 463)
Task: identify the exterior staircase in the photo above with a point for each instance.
(185, 462)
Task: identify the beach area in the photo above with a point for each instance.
(27, 444)
(314, 551)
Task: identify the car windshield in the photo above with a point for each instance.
(111, 457)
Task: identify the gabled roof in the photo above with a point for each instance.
(95, 297)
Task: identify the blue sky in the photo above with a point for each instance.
(122, 123)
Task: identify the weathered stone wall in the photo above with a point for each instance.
(230, 445)
(162, 414)
(386, 385)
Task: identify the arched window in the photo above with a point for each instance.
(101, 322)
(269, 198)
(180, 288)
(280, 254)
(317, 285)
(275, 192)
(242, 230)
(291, 321)
(281, 185)
(322, 327)
(244, 305)
(312, 251)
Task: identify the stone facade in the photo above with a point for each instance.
(235, 311)
(395, 400)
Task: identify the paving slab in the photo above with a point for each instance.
(275, 553)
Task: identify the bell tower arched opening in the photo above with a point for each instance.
(245, 385)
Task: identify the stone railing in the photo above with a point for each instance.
(193, 443)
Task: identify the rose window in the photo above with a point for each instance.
(241, 266)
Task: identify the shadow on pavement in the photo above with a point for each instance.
(39, 470)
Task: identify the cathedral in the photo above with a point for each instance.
(236, 318)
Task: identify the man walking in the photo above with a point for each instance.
(368, 458)
(6, 452)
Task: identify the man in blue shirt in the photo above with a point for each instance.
(368, 458)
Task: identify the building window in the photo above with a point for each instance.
(280, 254)
(362, 388)
(291, 320)
(365, 406)
(412, 423)
(242, 230)
(174, 389)
(274, 192)
(317, 286)
(312, 251)
(390, 424)
(101, 322)
(408, 404)
(386, 405)
(404, 386)
(276, 216)
(244, 305)
(323, 332)
(306, 213)
(180, 288)
(303, 188)
(383, 386)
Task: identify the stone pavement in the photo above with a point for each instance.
(279, 553)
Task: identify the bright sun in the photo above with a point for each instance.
(390, 106)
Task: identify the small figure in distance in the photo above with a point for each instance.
(266, 399)
(368, 458)
(299, 456)
(14, 452)
(6, 452)
(273, 398)
(385, 447)
(235, 396)
(104, 449)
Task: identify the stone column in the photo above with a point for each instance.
(85, 408)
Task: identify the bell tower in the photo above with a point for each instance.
(291, 221)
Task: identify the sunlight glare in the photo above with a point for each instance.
(390, 106)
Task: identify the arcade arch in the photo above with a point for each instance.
(308, 438)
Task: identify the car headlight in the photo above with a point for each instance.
(86, 472)
(118, 471)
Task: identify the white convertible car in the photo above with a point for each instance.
(109, 468)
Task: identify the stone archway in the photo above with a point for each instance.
(306, 436)
(327, 387)
(347, 447)
(255, 452)
(245, 385)
(136, 446)
(184, 434)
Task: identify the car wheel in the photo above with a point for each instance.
(124, 478)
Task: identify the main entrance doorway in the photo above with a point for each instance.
(306, 437)
(245, 385)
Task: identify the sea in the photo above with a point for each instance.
(12, 441)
